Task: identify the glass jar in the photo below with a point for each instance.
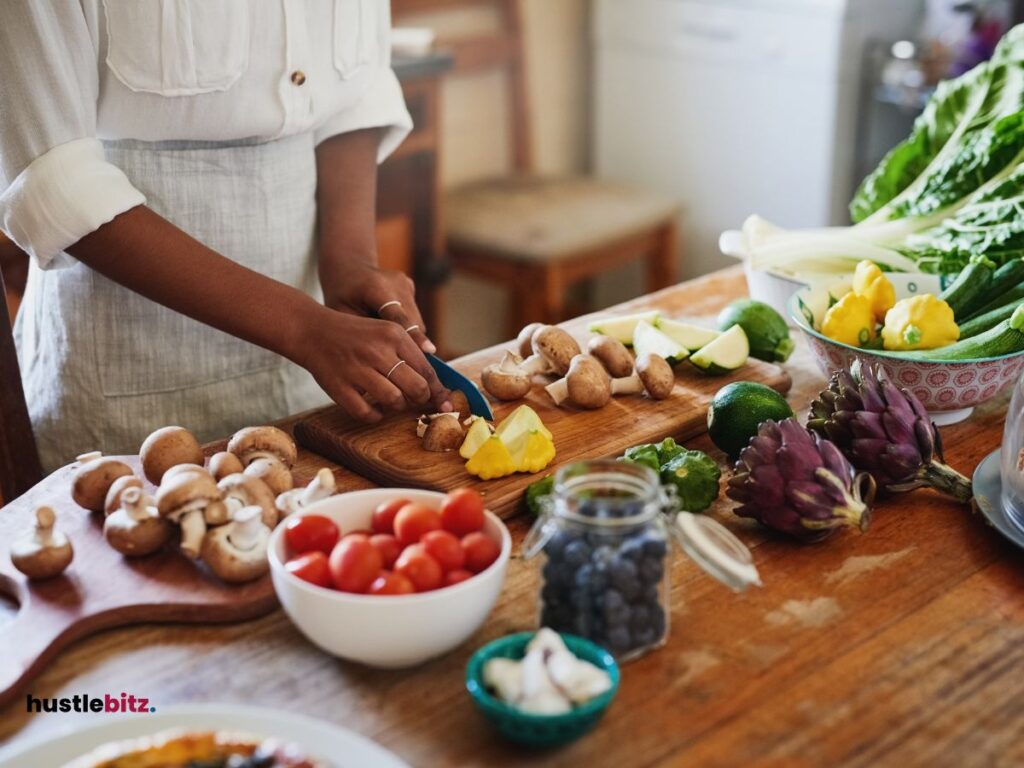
(604, 533)
(1011, 458)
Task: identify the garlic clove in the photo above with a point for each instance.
(504, 677)
(539, 695)
(578, 679)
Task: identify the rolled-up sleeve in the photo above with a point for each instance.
(55, 184)
(382, 106)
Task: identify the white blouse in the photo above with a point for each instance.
(74, 72)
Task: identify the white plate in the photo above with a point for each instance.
(339, 747)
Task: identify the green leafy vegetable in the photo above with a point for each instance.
(537, 491)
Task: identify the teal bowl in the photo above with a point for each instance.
(539, 730)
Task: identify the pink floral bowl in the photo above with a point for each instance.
(949, 390)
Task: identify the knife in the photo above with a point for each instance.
(452, 379)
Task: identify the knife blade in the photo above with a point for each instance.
(452, 379)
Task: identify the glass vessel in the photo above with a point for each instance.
(604, 540)
(1011, 458)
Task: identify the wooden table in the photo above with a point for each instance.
(902, 646)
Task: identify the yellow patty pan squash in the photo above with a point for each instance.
(850, 321)
(871, 283)
(920, 322)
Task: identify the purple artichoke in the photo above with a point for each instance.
(792, 480)
(885, 430)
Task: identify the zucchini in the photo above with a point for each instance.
(693, 337)
(1011, 296)
(1004, 279)
(621, 327)
(993, 317)
(648, 339)
(972, 283)
(1003, 339)
(726, 353)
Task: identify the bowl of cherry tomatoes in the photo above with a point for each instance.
(390, 577)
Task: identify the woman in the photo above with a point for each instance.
(182, 172)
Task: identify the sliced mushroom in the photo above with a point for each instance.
(553, 351)
(188, 499)
(656, 375)
(524, 341)
(441, 431)
(506, 380)
(237, 552)
(612, 354)
(254, 443)
(320, 487)
(136, 529)
(168, 447)
(241, 490)
(223, 464)
(113, 498)
(459, 401)
(273, 472)
(92, 480)
(44, 553)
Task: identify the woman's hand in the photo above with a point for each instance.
(352, 356)
(364, 289)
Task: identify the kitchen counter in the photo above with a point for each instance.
(904, 645)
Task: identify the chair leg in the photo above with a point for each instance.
(661, 262)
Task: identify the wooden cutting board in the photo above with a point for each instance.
(390, 454)
(101, 589)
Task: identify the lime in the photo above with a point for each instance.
(738, 409)
(766, 331)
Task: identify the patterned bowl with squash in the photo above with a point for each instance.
(949, 390)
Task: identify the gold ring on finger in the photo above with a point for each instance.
(393, 369)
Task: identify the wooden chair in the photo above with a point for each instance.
(19, 461)
(539, 235)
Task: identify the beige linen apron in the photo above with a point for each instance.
(103, 366)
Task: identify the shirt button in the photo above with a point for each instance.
(298, 77)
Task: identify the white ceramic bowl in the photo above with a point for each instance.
(386, 630)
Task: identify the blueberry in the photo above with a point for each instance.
(576, 553)
(645, 637)
(651, 570)
(617, 617)
(554, 546)
(584, 577)
(632, 549)
(619, 638)
(658, 623)
(650, 596)
(622, 571)
(613, 599)
(654, 546)
(558, 574)
(640, 617)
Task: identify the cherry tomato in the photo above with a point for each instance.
(310, 533)
(384, 515)
(445, 548)
(456, 577)
(363, 532)
(389, 583)
(355, 563)
(462, 511)
(481, 551)
(420, 568)
(413, 520)
(311, 567)
(388, 547)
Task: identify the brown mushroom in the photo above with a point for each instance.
(93, 478)
(656, 375)
(553, 351)
(223, 464)
(612, 354)
(188, 499)
(179, 468)
(136, 529)
(242, 490)
(237, 552)
(165, 448)
(273, 472)
(254, 443)
(320, 487)
(506, 380)
(459, 401)
(112, 500)
(440, 431)
(524, 341)
(45, 552)
(586, 384)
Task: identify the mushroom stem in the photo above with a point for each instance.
(320, 487)
(193, 528)
(245, 533)
(628, 385)
(45, 519)
(134, 504)
(559, 390)
(84, 458)
(536, 364)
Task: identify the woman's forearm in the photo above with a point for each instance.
(144, 252)
(346, 196)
